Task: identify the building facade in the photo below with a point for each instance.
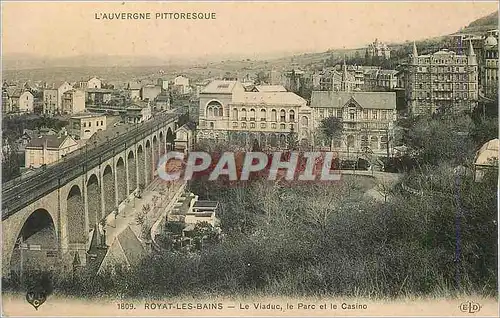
(85, 125)
(368, 120)
(228, 113)
(442, 81)
(48, 149)
(19, 101)
(49, 101)
(379, 49)
(73, 101)
(94, 82)
(489, 68)
(149, 92)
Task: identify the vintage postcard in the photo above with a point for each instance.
(250, 158)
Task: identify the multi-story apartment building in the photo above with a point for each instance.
(486, 50)
(442, 81)
(52, 97)
(73, 101)
(228, 112)
(49, 101)
(85, 125)
(368, 119)
(489, 66)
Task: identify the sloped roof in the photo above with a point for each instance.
(220, 87)
(187, 126)
(269, 98)
(371, 100)
(52, 141)
(15, 91)
(270, 88)
(488, 152)
(388, 72)
(131, 246)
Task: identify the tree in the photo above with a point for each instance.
(256, 146)
(367, 58)
(332, 128)
(292, 140)
(262, 78)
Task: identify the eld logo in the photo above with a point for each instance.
(470, 307)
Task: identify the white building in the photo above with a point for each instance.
(20, 100)
(73, 101)
(47, 149)
(85, 125)
(94, 82)
(228, 112)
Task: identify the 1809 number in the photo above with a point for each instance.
(125, 306)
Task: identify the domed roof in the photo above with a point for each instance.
(490, 41)
(488, 153)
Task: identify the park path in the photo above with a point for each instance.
(385, 181)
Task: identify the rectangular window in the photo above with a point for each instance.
(339, 113)
(365, 114)
(374, 114)
(384, 114)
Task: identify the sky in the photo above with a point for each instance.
(59, 29)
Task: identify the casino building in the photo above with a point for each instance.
(229, 113)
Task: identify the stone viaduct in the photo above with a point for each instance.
(53, 212)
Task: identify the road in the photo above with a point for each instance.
(385, 182)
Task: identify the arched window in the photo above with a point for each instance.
(263, 115)
(243, 114)
(211, 125)
(274, 115)
(282, 115)
(214, 109)
(292, 116)
(235, 113)
(252, 114)
(304, 121)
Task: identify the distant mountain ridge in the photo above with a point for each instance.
(482, 25)
(29, 61)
